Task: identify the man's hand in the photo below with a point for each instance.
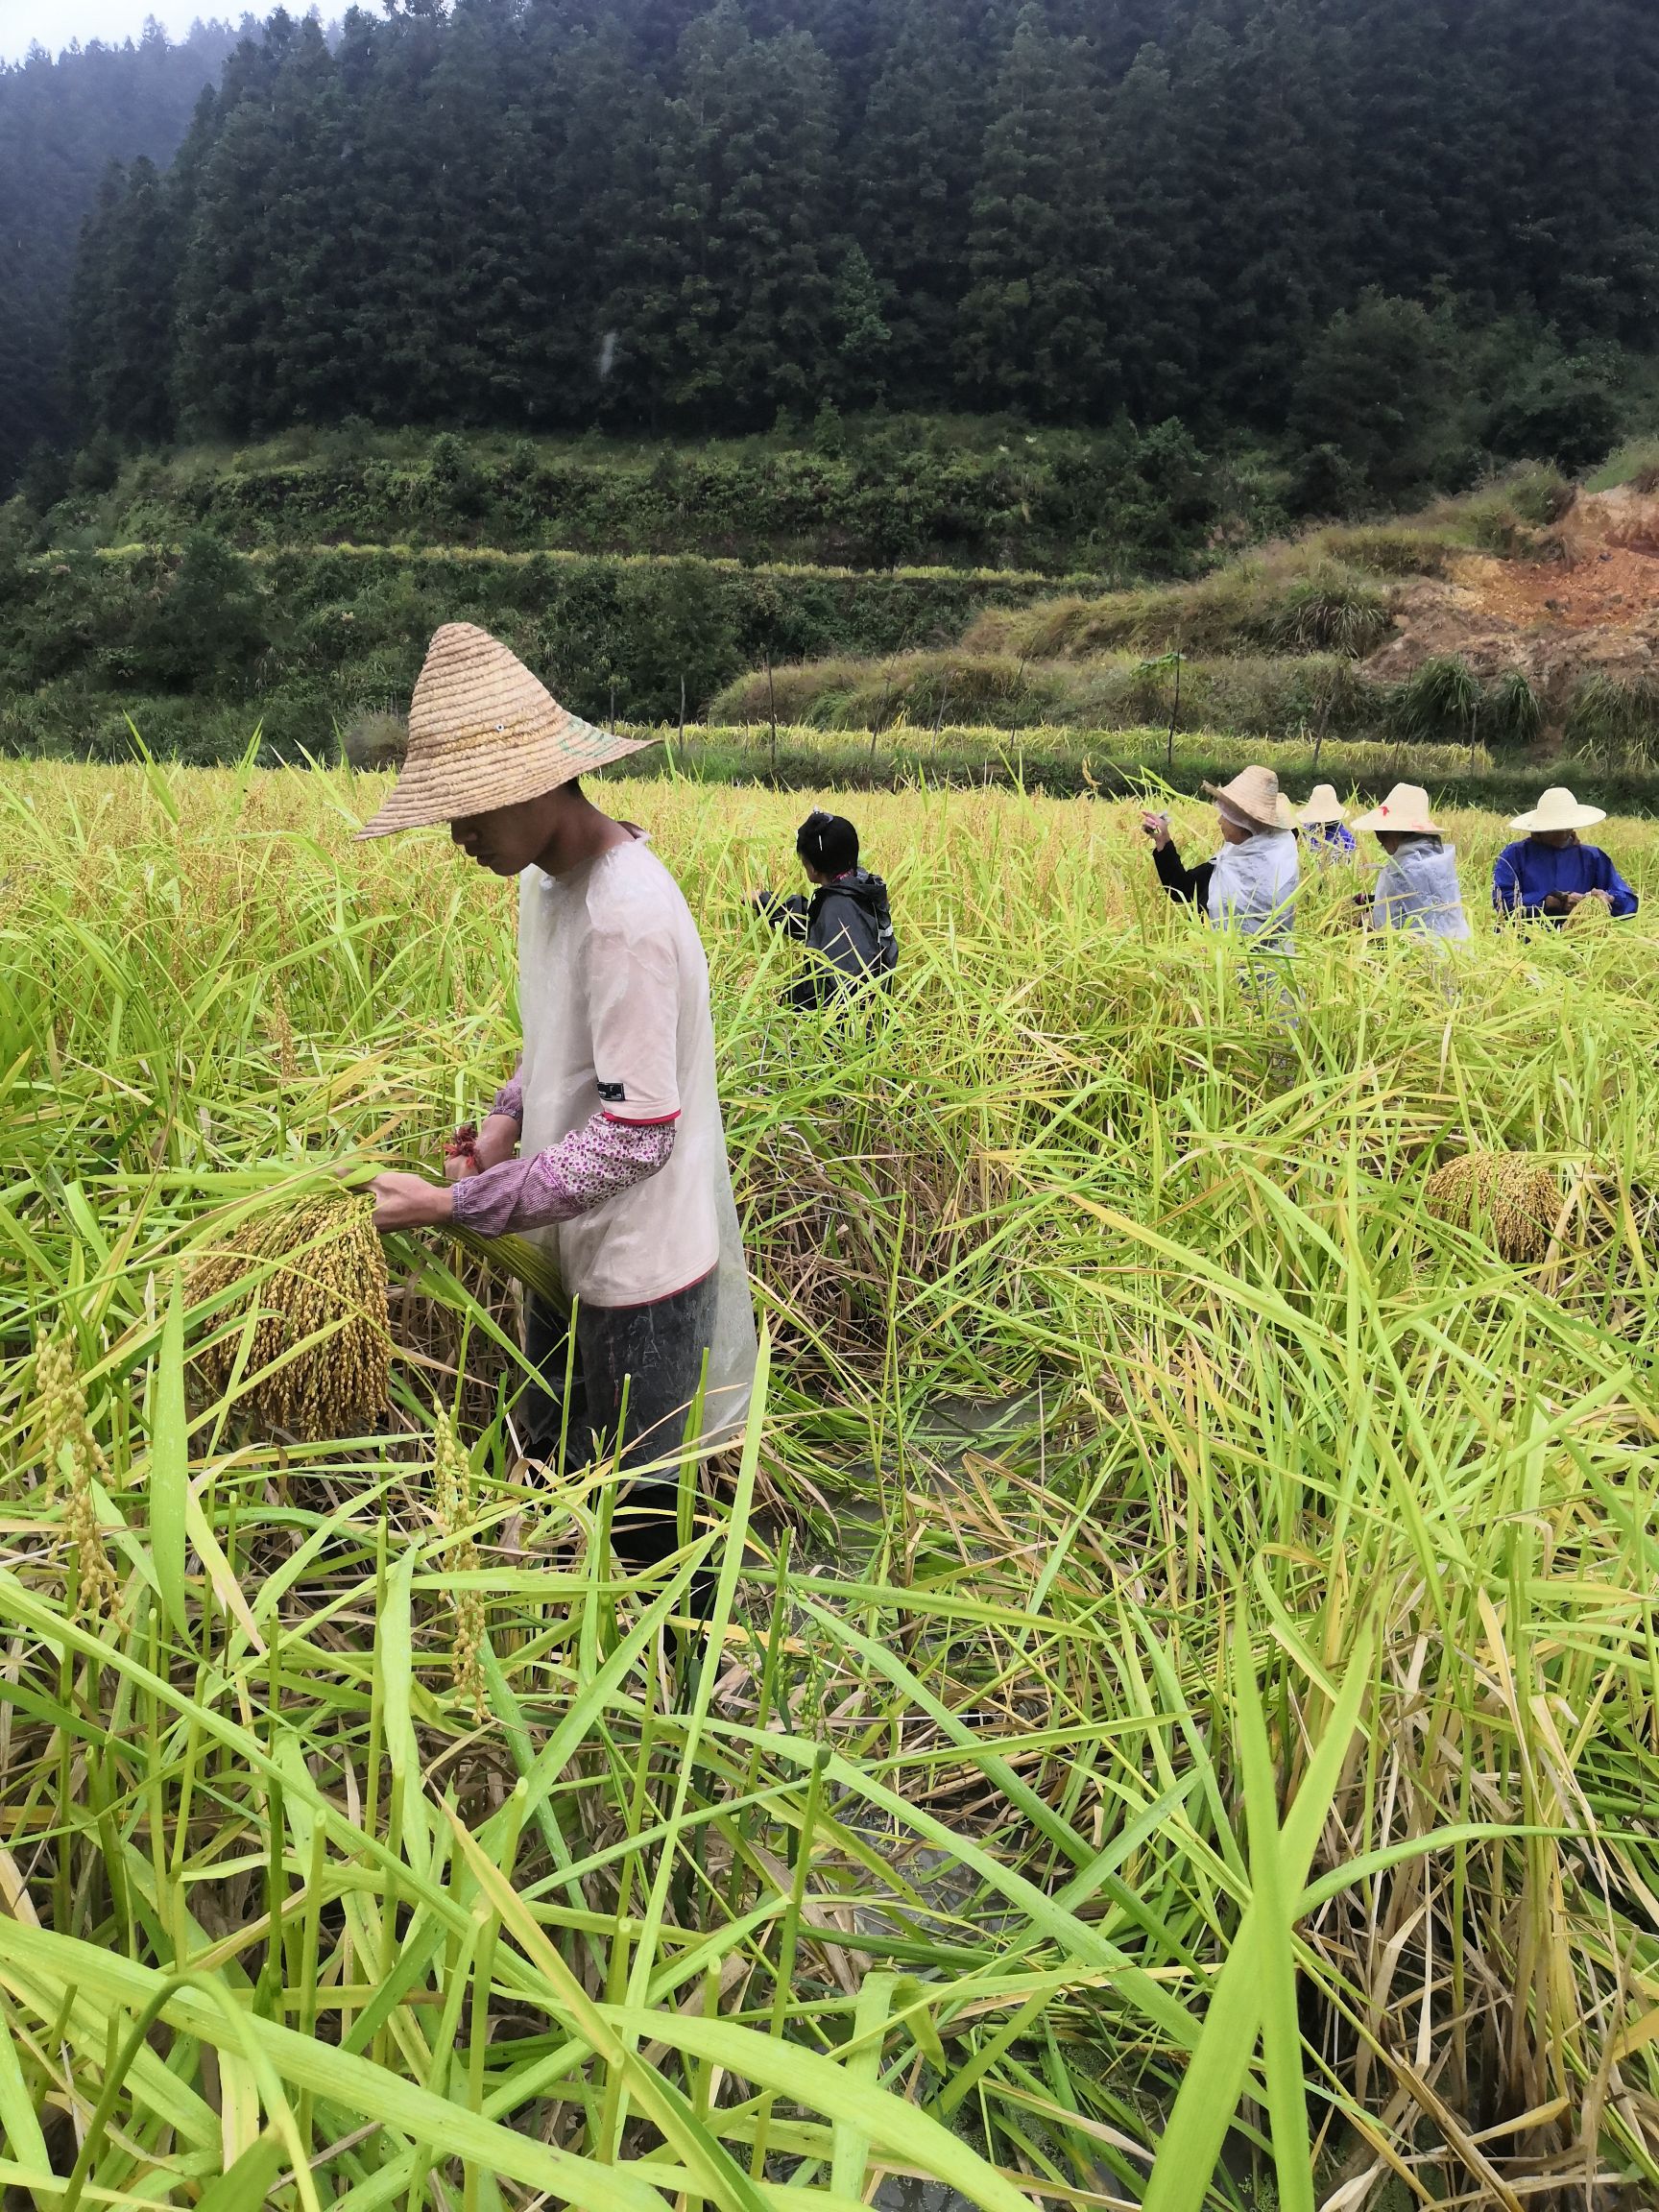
(410, 1202)
(1559, 903)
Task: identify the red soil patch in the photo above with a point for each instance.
(1587, 597)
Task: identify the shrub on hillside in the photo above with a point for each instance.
(1613, 720)
(1439, 704)
(1565, 412)
(1378, 391)
(1511, 712)
(1240, 693)
(375, 741)
(204, 630)
(1502, 517)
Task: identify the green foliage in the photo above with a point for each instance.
(203, 631)
(868, 493)
(1378, 391)
(1565, 412)
(1438, 703)
(333, 632)
(1613, 720)
(1511, 712)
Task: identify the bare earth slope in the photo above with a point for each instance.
(1584, 601)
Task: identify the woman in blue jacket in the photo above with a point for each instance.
(1546, 873)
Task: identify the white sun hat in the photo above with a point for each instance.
(1558, 810)
(1323, 805)
(1405, 809)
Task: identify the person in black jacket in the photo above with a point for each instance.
(846, 925)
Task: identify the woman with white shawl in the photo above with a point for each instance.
(1250, 885)
(1418, 887)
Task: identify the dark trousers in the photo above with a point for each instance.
(650, 1356)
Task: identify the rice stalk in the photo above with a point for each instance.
(1114, 1375)
(453, 1503)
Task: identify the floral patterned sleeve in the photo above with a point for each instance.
(581, 1171)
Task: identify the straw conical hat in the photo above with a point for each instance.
(1405, 809)
(1558, 810)
(483, 733)
(1255, 794)
(1323, 805)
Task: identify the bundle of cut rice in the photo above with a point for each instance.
(313, 1275)
(1512, 1194)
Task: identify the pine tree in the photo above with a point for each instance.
(61, 124)
(728, 316)
(120, 329)
(910, 175)
(1032, 329)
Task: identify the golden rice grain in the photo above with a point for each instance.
(452, 1501)
(1512, 1193)
(74, 1457)
(314, 1271)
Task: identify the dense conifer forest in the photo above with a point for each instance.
(1403, 237)
(62, 120)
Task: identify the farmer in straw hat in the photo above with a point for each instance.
(1418, 887)
(606, 1145)
(1324, 826)
(1548, 873)
(1251, 883)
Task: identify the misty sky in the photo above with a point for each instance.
(56, 22)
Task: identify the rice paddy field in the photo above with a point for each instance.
(1181, 1726)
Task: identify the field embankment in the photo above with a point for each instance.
(1261, 1712)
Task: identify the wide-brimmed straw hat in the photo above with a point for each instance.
(1405, 809)
(1254, 795)
(484, 732)
(1558, 810)
(1323, 805)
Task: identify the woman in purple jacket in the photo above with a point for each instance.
(1546, 873)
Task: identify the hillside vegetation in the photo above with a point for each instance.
(953, 491)
(1526, 615)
